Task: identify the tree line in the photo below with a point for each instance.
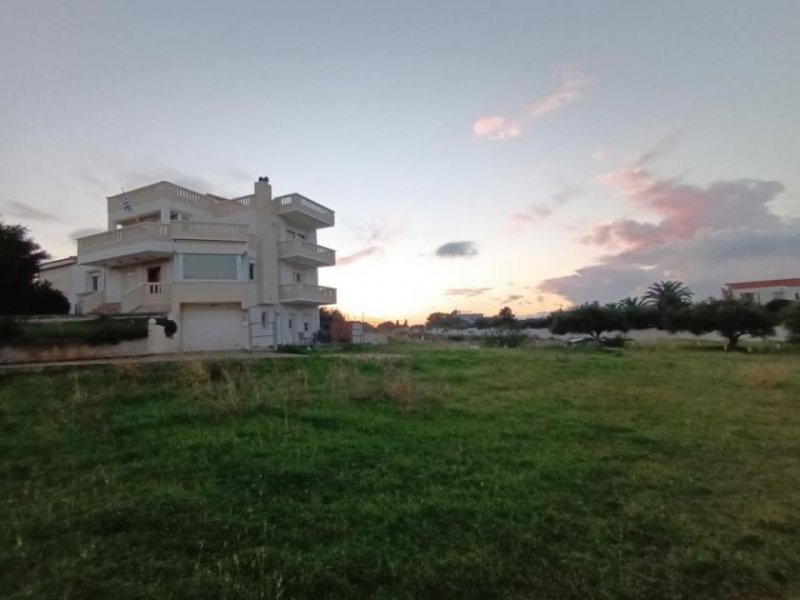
(666, 305)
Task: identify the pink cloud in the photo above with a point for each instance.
(360, 255)
(498, 127)
(683, 210)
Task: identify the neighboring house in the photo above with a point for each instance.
(232, 273)
(764, 291)
(66, 276)
(470, 318)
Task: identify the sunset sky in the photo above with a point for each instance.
(477, 154)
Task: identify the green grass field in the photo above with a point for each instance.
(442, 473)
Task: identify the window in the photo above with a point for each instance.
(298, 277)
(252, 272)
(290, 323)
(797, 295)
(153, 274)
(94, 282)
(263, 318)
(210, 266)
(305, 327)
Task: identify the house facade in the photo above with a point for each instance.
(764, 291)
(230, 272)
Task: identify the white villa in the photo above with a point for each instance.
(232, 273)
(764, 291)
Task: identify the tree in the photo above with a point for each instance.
(730, 318)
(791, 320)
(441, 320)
(667, 294)
(386, 326)
(505, 318)
(637, 313)
(21, 293)
(326, 317)
(589, 319)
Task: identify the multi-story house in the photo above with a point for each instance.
(764, 291)
(231, 273)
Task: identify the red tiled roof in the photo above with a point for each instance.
(762, 284)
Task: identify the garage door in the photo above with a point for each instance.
(211, 327)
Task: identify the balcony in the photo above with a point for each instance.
(151, 241)
(301, 293)
(304, 212)
(306, 254)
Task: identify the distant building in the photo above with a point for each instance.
(764, 291)
(470, 318)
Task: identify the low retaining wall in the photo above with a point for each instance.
(34, 354)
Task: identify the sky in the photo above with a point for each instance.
(477, 154)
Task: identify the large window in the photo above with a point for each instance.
(210, 266)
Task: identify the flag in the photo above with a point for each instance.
(126, 204)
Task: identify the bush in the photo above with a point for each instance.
(9, 329)
(617, 341)
(95, 332)
(504, 339)
(292, 349)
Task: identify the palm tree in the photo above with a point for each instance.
(668, 294)
(631, 302)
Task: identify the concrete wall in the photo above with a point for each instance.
(14, 355)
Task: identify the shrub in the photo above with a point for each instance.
(618, 341)
(504, 339)
(9, 329)
(292, 349)
(95, 332)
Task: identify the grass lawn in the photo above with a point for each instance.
(447, 473)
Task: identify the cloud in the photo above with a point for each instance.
(24, 211)
(470, 292)
(535, 213)
(512, 298)
(457, 250)
(84, 231)
(498, 127)
(702, 235)
(375, 236)
(358, 256)
(684, 210)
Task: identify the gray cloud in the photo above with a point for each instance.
(535, 213)
(470, 292)
(512, 298)
(457, 250)
(24, 211)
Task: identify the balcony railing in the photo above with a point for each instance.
(302, 293)
(306, 253)
(304, 210)
(144, 296)
(126, 235)
(161, 232)
(208, 231)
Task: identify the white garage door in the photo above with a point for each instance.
(211, 327)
